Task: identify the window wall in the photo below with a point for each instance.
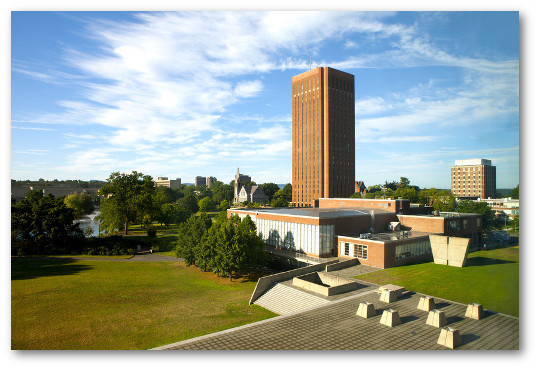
(413, 249)
(307, 238)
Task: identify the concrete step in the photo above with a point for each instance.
(282, 299)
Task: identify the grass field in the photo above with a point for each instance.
(112, 304)
(490, 278)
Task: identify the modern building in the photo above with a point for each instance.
(473, 178)
(381, 233)
(170, 183)
(506, 206)
(209, 181)
(323, 130)
(199, 181)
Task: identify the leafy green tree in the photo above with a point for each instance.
(279, 202)
(128, 197)
(206, 204)
(392, 185)
(189, 202)
(222, 192)
(44, 225)
(356, 195)
(488, 215)
(224, 205)
(404, 182)
(81, 203)
(515, 192)
(190, 235)
(270, 189)
(370, 195)
(239, 248)
(287, 192)
(408, 193)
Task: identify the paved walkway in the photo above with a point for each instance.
(335, 326)
(143, 257)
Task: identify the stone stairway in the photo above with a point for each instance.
(282, 299)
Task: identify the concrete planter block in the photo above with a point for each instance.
(366, 310)
(388, 296)
(474, 311)
(390, 318)
(436, 318)
(449, 337)
(426, 303)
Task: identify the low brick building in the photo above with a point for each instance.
(381, 233)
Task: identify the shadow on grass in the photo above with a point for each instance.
(480, 260)
(30, 268)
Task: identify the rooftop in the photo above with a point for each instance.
(334, 325)
(394, 235)
(321, 213)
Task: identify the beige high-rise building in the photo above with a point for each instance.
(323, 112)
(474, 178)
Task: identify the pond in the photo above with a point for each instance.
(89, 220)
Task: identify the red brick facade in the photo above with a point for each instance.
(323, 135)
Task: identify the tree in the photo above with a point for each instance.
(206, 204)
(81, 203)
(191, 234)
(392, 185)
(488, 216)
(189, 202)
(404, 182)
(224, 205)
(44, 225)
(222, 192)
(408, 193)
(270, 189)
(515, 192)
(239, 248)
(128, 197)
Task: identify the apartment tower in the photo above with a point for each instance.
(323, 112)
(473, 178)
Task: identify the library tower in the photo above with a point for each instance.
(323, 121)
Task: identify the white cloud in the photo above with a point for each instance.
(166, 84)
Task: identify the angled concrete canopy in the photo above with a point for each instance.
(449, 250)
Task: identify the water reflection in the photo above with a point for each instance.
(89, 220)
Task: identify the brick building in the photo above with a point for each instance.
(323, 130)
(381, 233)
(473, 178)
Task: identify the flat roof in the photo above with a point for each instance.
(391, 235)
(336, 326)
(321, 213)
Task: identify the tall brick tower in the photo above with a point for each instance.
(323, 135)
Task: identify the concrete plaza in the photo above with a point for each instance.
(335, 326)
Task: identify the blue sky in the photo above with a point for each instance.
(202, 93)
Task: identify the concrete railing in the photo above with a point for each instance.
(265, 282)
(341, 265)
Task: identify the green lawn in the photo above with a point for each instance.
(110, 304)
(490, 278)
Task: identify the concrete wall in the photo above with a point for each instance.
(449, 250)
(332, 285)
(341, 265)
(265, 282)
